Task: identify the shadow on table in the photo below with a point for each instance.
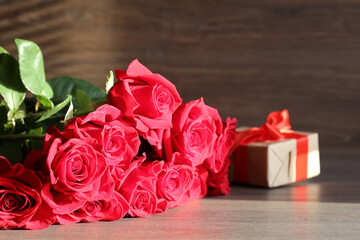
(339, 182)
(315, 192)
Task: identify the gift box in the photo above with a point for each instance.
(274, 155)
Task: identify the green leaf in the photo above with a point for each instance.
(32, 68)
(110, 82)
(48, 89)
(45, 115)
(62, 86)
(3, 50)
(38, 130)
(69, 114)
(36, 143)
(47, 103)
(11, 87)
(20, 113)
(82, 99)
(8, 126)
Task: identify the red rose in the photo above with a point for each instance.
(120, 173)
(218, 183)
(119, 142)
(95, 210)
(196, 128)
(21, 205)
(175, 180)
(198, 189)
(218, 165)
(222, 146)
(77, 172)
(146, 99)
(139, 189)
(36, 160)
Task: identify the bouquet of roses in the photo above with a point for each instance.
(132, 150)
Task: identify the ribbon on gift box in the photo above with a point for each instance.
(277, 127)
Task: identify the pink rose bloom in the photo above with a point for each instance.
(21, 205)
(198, 189)
(222, 146)
(175, 180)
(146, 99)
(218, 165)
(139, 189)
(77, 172)
(96, 210)
(120, 173)
(36, 160)
(119, 141)
(196, 128)
(218, 183)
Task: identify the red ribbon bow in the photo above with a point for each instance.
(277, 127)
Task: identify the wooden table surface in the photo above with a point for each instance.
(326, 207)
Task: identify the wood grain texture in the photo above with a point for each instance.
(219, 219)
(247, 58)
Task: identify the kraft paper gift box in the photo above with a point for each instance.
(273, 163)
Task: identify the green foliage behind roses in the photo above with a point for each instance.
(30, 104)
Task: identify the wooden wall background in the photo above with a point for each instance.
(244, 57)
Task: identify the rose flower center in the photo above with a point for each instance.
(173, 181)
(10, 202)
(93, 207)
(142, 200)
(162, 99)
(78, 170)
(197, 137)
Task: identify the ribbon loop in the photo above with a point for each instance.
(279, 120)
(272, 130)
